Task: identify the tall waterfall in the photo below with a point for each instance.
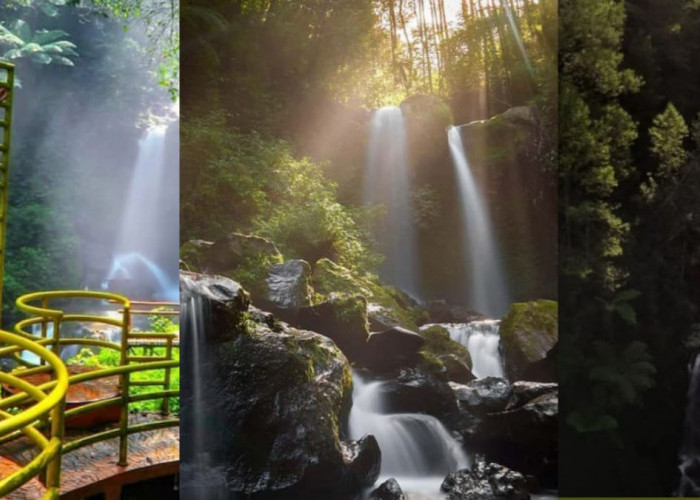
(690, 450)
(487, 289)
(387, 181)
(146, 247)
(417, 450)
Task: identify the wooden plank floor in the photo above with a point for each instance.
(93, 469)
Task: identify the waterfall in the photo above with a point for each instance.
(387, 181)
(145, 252)
(482, 339)
(201, 478)
(417, 450)
(487, 290)
(690, 450)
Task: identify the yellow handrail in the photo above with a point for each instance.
(49, 405)
(39, 305)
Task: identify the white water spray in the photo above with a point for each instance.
(487, 290)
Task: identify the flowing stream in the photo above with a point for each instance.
(487, 289)
(388, 182)
(690, 450)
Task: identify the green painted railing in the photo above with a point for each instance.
(43, 314)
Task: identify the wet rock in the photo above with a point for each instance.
(289, 285)
(276, 398)
(223, 301)
(393, 348)
(527, 391)
(380, 317)
(484, 395)
(388, 490)
(528, 334)
(486, 481)
(342, 318)
(363, 459)
(414, 391)
(457, 370)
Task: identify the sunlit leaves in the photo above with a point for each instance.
(42, 46)
(667, 133)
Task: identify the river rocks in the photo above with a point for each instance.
(277, 397)
(528, 334)
(453, 355)
(484, 395)
(289, 286)
(388, 490)
(414, 391)
(486, 481)
(342, 318)
(456, 369)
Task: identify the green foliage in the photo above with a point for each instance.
(438, 342)
(249, 183)
(668, 132)
(109, 357)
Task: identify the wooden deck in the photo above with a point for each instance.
(93, 470)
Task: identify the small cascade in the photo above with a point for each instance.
(690, 450)
(200, 477)
(482, 339)
(417, 450)
(145, 261)
(388, 182)
(487, 288)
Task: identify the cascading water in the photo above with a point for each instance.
(690, 450)
(146, 248)
(416, 449)
(200, 478)
(387, 181)
(487, 290)
(482, 340)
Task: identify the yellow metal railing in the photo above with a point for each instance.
(35, 330)
(7, 77)
(48, 404)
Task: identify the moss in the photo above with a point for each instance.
(253, 272)
(193, 254)
(331, 278)
(438, 342)
(430, 363)
(528, 325)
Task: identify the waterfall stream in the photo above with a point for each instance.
(387, 182)
(690, 450)
(487, 289)
(145, 252)
(417, 450)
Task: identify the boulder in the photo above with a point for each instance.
(457, 370)
(235, 249)
(388, 490)
(484, 395)
(527, 391)
(289, 285)
(528, 334)
(342, 318)
(393, 348)
(485, 481)
(275, 399)
(414, 391)
(380, 317)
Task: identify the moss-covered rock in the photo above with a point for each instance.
(528, 333)
(275, 398)
(342, 318)
(439, 343)
(242, 257)
(387, 306)
(289, 285)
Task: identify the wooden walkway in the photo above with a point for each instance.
(93, 469)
